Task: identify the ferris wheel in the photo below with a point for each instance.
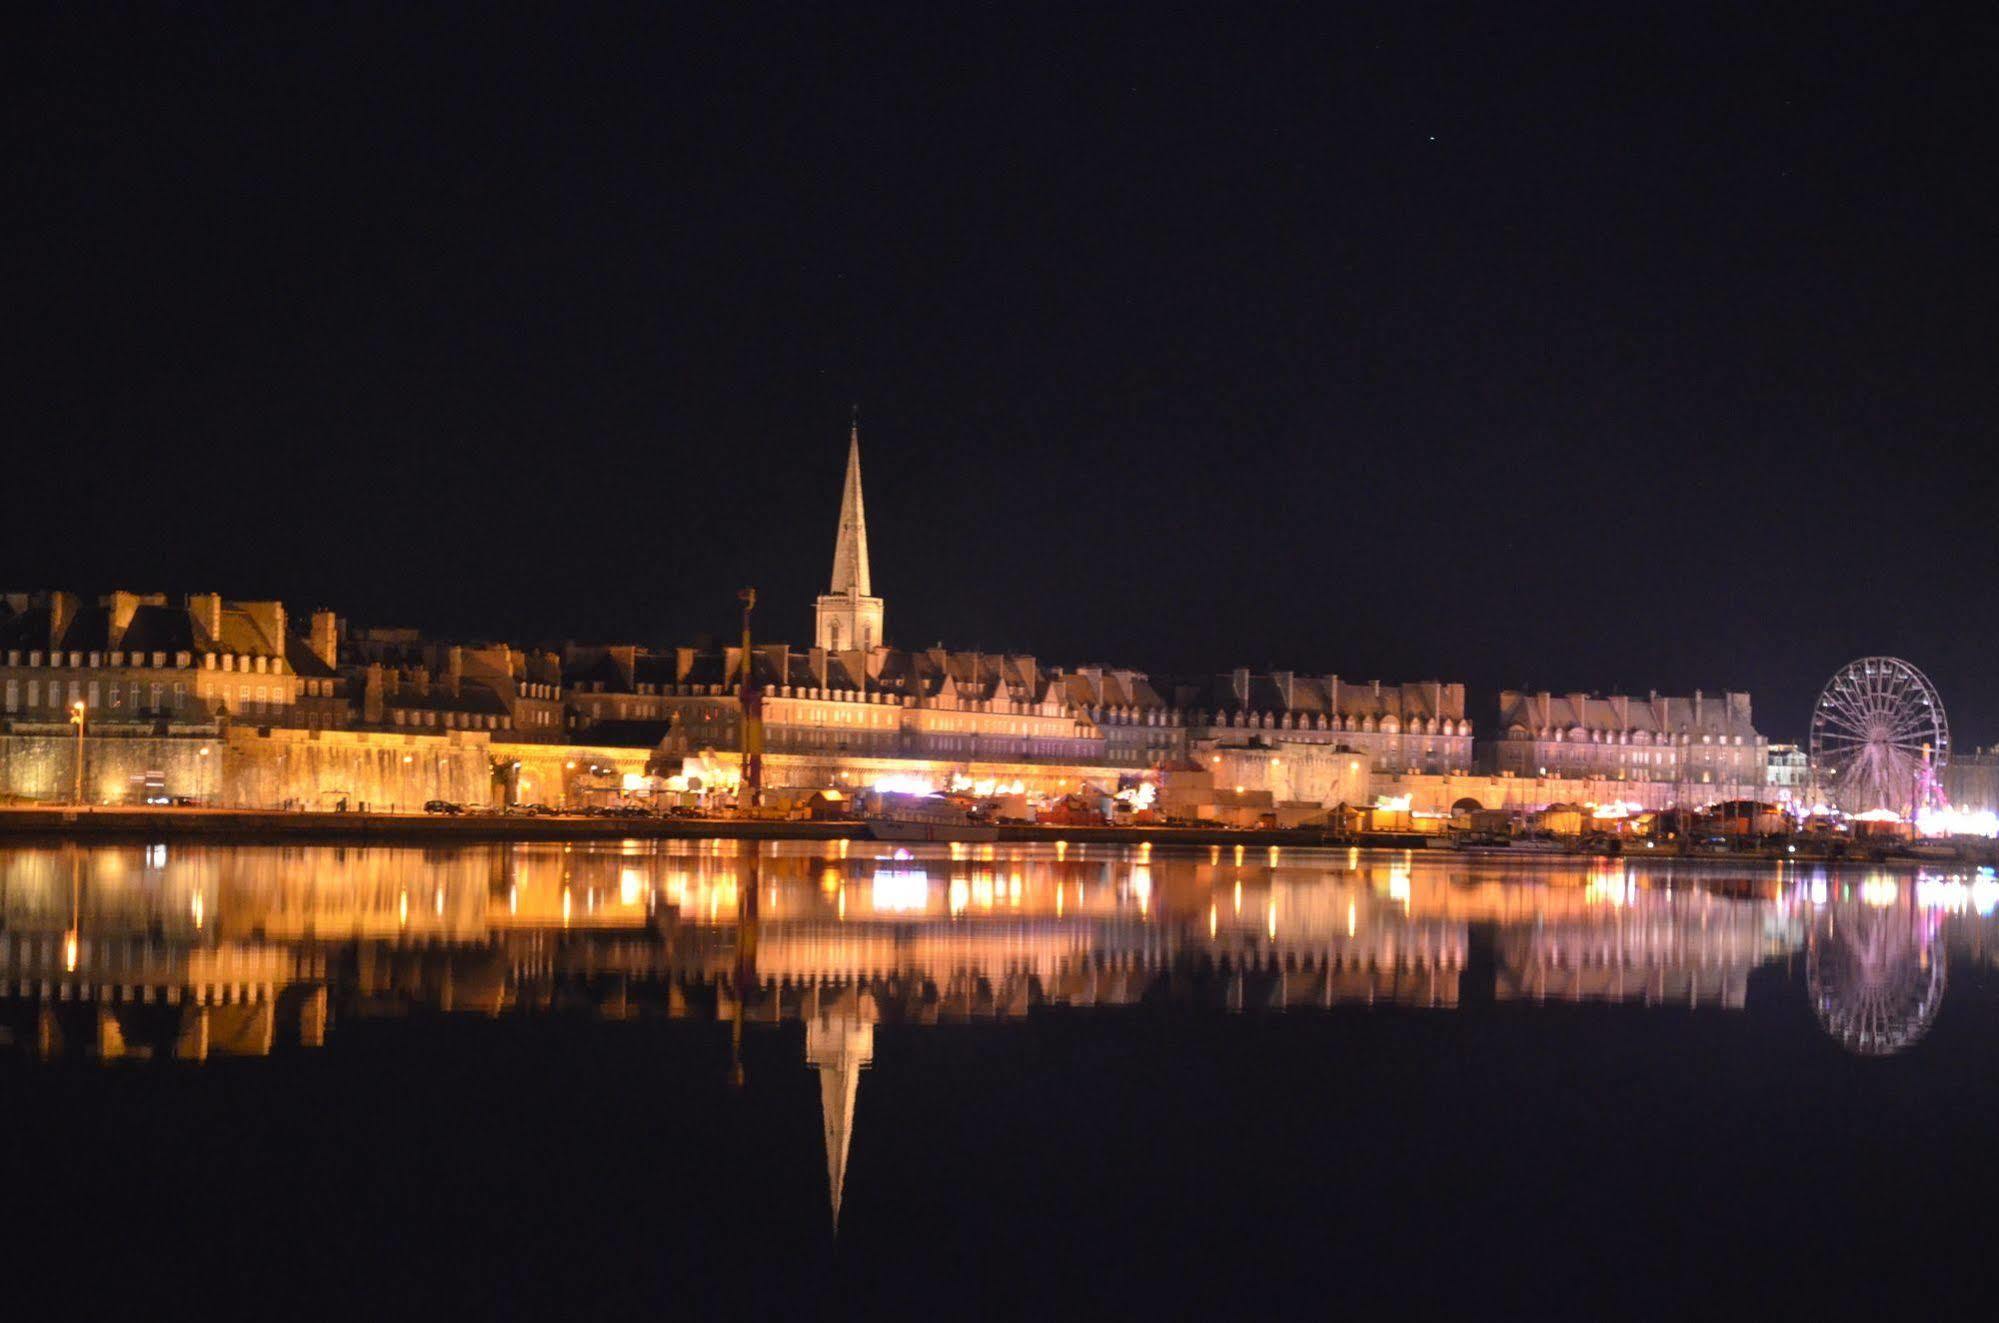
(1879, 738)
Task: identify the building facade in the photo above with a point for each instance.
(1707, 747)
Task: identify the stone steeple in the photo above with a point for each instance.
(850, 551)
(848, 616)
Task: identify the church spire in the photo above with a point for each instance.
(850, 551)
(848, 616)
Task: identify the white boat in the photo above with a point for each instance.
(1525, 845)
(910, 818)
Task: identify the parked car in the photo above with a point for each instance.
(442, 806)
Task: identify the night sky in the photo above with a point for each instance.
(1573, 347)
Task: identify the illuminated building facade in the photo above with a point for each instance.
(1707, 745)
(1418, 729)
(1788, 772)
(135, 660)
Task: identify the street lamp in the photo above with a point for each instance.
(76, 716)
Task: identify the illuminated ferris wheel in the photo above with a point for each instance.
(1879, 738)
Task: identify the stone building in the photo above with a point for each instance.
(1416, 728)
(141, 661)
(1707, 744)
(1971, 780)
(1788, 772)
(402, 681)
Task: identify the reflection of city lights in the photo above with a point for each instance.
(629, 884)
(1351, 916)
(1878, 891)
(1818, 891)
(959, 895)
(1270, 923)
(1238, 895)
(1955, 895)
(69, 950)
(403, 909)
(1141, 887)
(195, 903)
(1214, 919)
(1398, 883)
(900, 890)
(567, 905)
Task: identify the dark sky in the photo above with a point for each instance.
(1566, 346)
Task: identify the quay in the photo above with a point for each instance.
(46, 823)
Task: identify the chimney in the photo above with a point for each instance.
(122, 606)
(206, 608)
(1284, 681)
(371, 695)
(1239, 682)
(62, 610)
(325, 638)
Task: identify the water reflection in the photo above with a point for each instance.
(189, 952)
(1877, 973)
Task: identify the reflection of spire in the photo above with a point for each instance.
(839, 1042)
(850, 551)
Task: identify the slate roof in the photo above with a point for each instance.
(302, 660)
(624, 734)
(166, 629)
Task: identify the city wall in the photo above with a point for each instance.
(1437, 794)
(251, 768)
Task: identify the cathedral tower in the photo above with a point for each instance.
(847, 616)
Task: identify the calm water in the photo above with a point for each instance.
(694, 1078)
